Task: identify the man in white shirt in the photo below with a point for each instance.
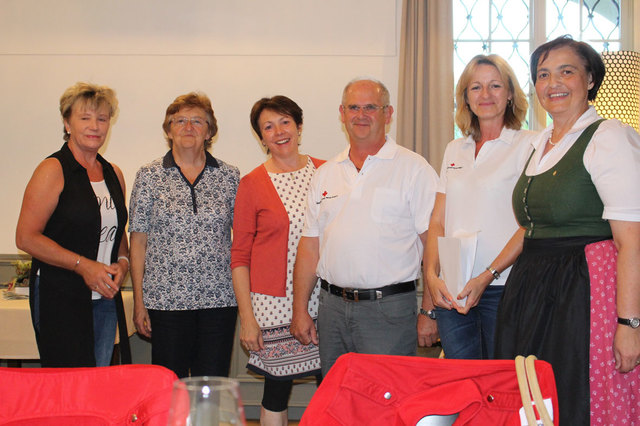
(368, 211)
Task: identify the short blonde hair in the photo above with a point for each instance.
(91, 96)
(191, 100)
(515, 113)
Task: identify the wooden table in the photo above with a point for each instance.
(17, 338)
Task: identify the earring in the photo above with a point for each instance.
(509, 102)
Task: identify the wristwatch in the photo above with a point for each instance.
(631, 322)
(429, 314)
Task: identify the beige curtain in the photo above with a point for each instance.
(425, 87)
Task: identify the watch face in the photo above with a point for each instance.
(634, 322)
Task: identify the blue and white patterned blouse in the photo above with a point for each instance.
(188, 227)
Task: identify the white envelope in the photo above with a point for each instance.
(457, 256)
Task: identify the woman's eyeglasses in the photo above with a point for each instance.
(198, 122)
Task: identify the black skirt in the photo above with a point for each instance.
(545, 311)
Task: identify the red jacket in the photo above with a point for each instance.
(261, 232)
(400, 390)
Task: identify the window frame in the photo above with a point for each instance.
(629, 38)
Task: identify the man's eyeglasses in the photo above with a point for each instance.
(198, 122)
(367, 109)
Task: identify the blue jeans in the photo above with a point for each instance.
(105, 321)
(386, 326)
(470, 336)
(104, 325)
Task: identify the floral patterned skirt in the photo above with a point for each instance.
(615, 397)
(283, 357)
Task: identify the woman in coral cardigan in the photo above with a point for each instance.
(268, 219)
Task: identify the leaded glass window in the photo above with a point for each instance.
(513, 28)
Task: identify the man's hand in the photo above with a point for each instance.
(303, 329)
(427, 331)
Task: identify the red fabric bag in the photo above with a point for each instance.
(390, 390)
(118, 395)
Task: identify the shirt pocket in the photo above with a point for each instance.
(388, 206)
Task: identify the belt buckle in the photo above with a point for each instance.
(354, 291)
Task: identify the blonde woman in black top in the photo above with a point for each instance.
(72, 222)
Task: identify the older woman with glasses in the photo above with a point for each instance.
(72, 222)
(181, 216)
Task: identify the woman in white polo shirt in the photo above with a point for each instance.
(477, 178)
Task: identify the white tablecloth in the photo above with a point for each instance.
(17, 338)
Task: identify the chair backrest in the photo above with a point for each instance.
(118, 395)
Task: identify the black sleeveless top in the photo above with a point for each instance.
(65, 338)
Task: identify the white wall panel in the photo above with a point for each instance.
(152, 51)
(199, 27)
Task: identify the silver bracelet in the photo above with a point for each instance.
(77, 263)
(125, 258)
(496, 274)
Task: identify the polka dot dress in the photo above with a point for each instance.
(615, 397)
(283, 356)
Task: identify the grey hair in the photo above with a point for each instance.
(383, 89)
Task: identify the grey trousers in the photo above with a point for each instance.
(385, 326)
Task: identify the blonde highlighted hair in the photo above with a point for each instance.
(90, 96)
(516, 110)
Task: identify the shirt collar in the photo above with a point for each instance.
(386, 152)
(168, 161)
(588, 117)
(506, 135)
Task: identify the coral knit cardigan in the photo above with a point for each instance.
(261, 232)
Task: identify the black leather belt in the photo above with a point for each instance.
(357, 294)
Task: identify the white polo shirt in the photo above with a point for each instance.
(479, 189)
(612, 158)
(368, 223)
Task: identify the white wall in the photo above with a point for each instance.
(150, 51)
